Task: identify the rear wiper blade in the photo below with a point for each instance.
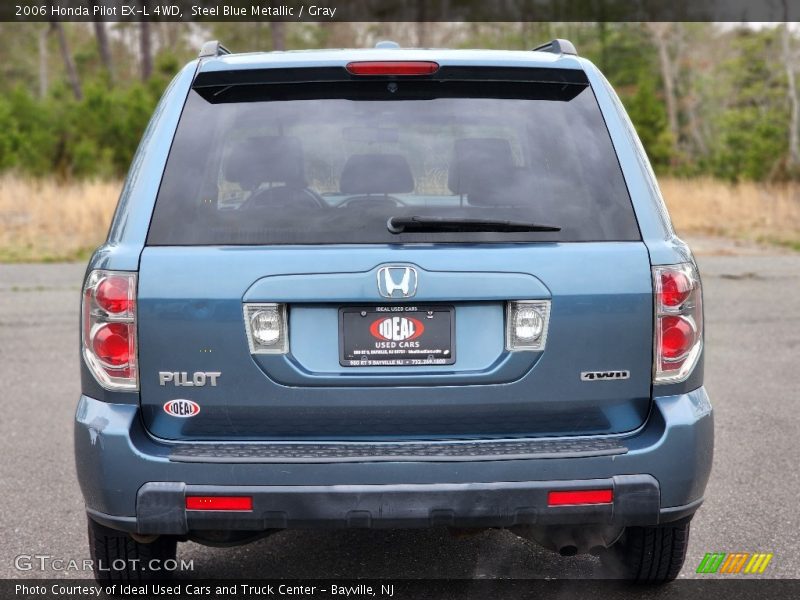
(417, 223)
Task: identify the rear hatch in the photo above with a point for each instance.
(394, 222)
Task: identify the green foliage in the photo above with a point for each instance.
(93, 137)
(730, 87)
(650, 119)
(57, 135)
(752, 140)
(27, 133)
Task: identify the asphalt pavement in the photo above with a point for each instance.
(752, 373)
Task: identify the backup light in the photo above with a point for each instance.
(267, 328)
(526, 325)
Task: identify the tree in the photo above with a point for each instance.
(44, 34)
(278, 33)
(649, 116)
(789, 59)
(663, 34)
(145, 48)
(697, 66)
(422, 25)
(103, 46)
(69, 63)
(751, 139)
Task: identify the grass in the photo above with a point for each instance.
(768, 214)
(48, 221)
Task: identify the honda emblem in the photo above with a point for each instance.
(397, 281)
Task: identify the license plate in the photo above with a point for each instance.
(396, 336)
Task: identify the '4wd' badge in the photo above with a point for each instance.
(604, 375)
(181, 408)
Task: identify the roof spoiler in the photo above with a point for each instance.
(557, 46)
(212, 48)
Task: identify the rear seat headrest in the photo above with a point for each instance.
(479, 163)
(268, 159)
(376, 174)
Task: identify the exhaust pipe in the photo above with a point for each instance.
(568, 550)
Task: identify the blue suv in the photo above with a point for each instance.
(392, 288)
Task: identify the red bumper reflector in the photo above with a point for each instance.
(392, 67)
(219, 503)
(580, 497)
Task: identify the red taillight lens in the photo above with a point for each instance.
(109, 328)
(111, 344)
(678, 322)
(112, 294)
(219, 503)
(675, 288)
(393, 67)
(563, 498)
(677, 337)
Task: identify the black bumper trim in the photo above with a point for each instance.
(113, 521)
(453, 451)
(160, 506)
(677, 513)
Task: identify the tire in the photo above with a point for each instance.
(118, 558)
(649, 554)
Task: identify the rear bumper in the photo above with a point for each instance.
(135, 483)
(160, 507)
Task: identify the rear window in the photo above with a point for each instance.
(332, 162)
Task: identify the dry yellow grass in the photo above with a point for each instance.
(760, 212)
(48, 220)
(43, 220)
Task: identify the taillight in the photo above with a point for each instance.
(111, 344)
(112, 294)
(108, 328)
(392, 67)
(677, 337)
(675, 287)
(679, 322)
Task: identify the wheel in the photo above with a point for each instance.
(649, 554)
(118, 558)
